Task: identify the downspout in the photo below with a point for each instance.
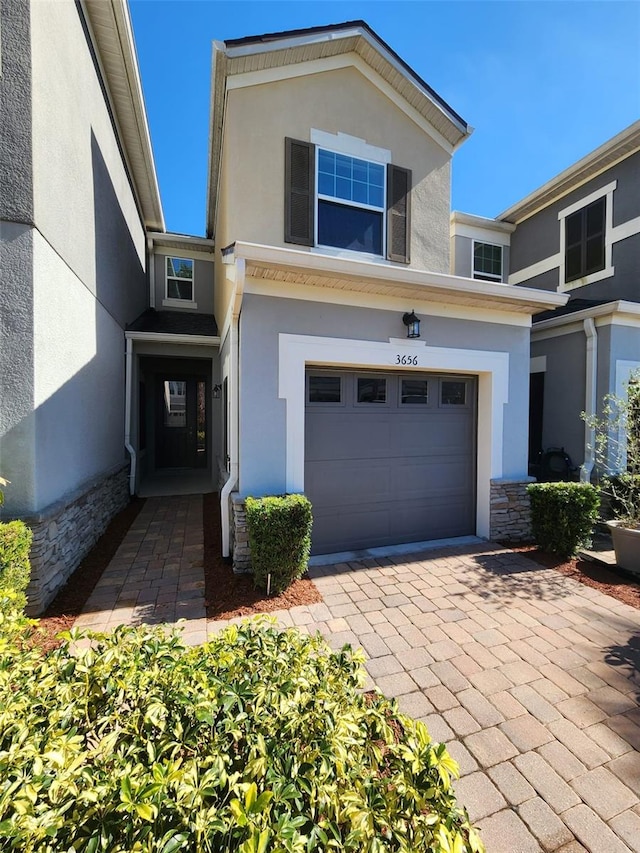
(234, 347)
(152, 273)
(127, 416)
(590, 400)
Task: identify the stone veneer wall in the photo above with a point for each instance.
(510, 510)
(239, 536)
(65, 532)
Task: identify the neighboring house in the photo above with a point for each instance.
(579, 234)
(272, 355)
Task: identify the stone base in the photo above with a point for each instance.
(510, 510)
(239, 536)
(66, 531)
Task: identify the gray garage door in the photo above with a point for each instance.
(389, 458)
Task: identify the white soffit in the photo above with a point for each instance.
(113, 38)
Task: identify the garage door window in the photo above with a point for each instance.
(372, 390)
(325, 389)
(453, 393)
(414, 392)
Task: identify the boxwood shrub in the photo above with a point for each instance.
(279, 529)
(260, 741)
(563, 515)
(15, 569)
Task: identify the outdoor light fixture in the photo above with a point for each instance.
(217, 392)
(413, 325)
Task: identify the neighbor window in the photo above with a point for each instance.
(487, 261)
(179, 279)
(584, 241)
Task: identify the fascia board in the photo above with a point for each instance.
(609, 308)
(163, 337)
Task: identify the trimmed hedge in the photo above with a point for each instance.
(563, 515)
(260, 741)
(15, 569)
(279, 529)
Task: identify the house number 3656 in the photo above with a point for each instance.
(406, 359)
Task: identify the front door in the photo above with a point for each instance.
(181, 421)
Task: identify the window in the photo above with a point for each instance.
(584, 241)
(453, 393)
(352, 199)
(487, 261)
(179, 279)
(414, 392)
(372, 390)
(175, 403)
(325, 389)
(350, 202)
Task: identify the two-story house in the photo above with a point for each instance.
(329, 206)
(579, 235)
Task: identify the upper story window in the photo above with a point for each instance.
(350, 203)
(179, 279)
(345, 202)
(584, 241)
(487, 261)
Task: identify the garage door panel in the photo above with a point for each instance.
(384, 475)
(344, 483)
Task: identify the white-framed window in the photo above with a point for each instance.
(350, 203)
(586, 232)
(487, 261)
(179, 282)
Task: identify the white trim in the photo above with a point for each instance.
(481, 234)
(540, 267)
(174, 252)
(491, 368)
(624, 369)
(458, 217)
(496, 279)
(171, 301)
(424, 306)
(618, 312)
(625, 229)
(335, 63)
(558, 332)
(607, 189)
(165, 338)
(180, 303)
(538, 364)
(354, 146)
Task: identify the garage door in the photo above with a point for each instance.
(389, 458)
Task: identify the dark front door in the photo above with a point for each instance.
(181, 421)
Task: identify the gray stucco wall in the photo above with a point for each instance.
(538, 237)
(16, 196)
(203, 282)
(462, 249)
(564, 393)
(262, 413)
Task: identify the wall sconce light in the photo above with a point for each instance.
(413, 325)
(217, 392)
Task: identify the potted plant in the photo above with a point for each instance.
(616, 443)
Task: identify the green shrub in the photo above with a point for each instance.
(280, 539)
(563, 515)
(260, 741)
(623, 492)
(15, 542)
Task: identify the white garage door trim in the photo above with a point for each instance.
(296, 352)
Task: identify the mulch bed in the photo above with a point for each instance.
(68, 603)
(228, 595)
(614, 582)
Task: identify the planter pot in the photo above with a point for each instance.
(626, 543)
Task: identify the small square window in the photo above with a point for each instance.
(372, 390)
(487, 262)
(453, 393)
(179, 272)
(325, 389)
(414, 392)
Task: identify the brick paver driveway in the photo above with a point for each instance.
(531, 678)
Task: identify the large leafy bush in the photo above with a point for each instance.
(563, 515)
(279, 529)
(15, 569)
(259, 742)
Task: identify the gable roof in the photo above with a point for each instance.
(289, 49)
(619, 147)
(112, 36)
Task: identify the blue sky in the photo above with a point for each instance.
(542, 83)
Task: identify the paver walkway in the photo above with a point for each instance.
(531, 678)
